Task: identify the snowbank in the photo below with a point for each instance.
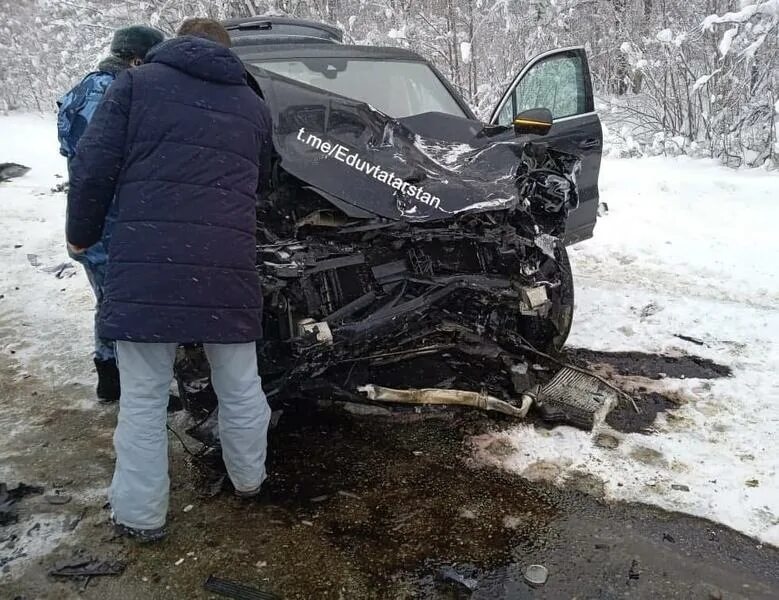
(698, 242)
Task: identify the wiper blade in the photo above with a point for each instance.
(263, 25)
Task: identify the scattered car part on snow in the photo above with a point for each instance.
(62, 270)
(10, 171)
(9, 498)
(450, 576)
(447, 397)
(57, 498)
(235, 590)
(87, 567)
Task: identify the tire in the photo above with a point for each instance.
(550, 334)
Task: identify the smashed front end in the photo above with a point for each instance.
(340, 289)
(380, 246)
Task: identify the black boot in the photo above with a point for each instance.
(107, 380)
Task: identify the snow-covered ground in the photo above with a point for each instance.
(45, 319)
(693, 246)
(694, 240)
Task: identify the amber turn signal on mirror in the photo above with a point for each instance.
(535, 120)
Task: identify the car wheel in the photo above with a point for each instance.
(549, 334)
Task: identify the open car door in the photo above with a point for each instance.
(560, 81)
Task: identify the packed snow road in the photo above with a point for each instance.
(682, 267)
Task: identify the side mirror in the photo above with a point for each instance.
(535, 120)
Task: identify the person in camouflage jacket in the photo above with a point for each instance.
(75, 111)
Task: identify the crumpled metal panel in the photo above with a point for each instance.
(428, 167)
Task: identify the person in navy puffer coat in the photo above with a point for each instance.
(183, 144)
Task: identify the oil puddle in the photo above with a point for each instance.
(359, 505)
(391, 496)
(651, 366)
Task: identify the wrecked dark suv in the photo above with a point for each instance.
(398, 227)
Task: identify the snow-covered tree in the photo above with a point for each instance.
(674, 79)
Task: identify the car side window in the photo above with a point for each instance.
(556, 83)
(507, 114)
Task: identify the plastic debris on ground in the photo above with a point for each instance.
(235, 590)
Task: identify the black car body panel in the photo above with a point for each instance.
(463, 162)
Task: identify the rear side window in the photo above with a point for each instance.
(556, 83)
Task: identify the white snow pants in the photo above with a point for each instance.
(140, 487)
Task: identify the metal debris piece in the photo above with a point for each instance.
(606, 440)
(346, 494)
(62, 270)
(690, 339)
(450, 576)
(9, 498)
(237, 591)
(10, 171)
(74, 522)
(319, 330)
(635, 571)
(57, 498)
(446, 397)
(88, 567)
(534, 297)
(536, 574)
(574, 398)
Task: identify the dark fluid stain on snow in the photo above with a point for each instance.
(651, 366)
(624, 418)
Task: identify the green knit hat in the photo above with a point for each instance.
(135, 41)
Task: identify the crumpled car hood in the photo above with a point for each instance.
(428, 167)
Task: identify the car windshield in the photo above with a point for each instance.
(396, 88)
